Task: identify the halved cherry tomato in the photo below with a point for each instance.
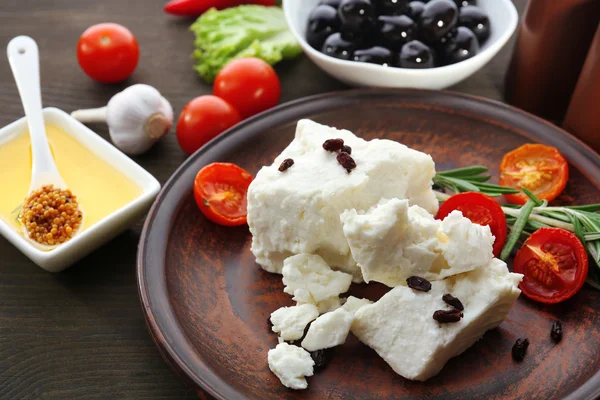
(539, 168)
(221, 190)
(480, 209)
(554, 264)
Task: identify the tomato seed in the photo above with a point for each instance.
(288, 162)
(333, 145)
(557, 331)
(447, 316)
(418, 283)
(519, 349)
(453, 301)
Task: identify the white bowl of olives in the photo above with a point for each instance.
(430, 44)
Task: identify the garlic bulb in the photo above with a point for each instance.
(137, 118)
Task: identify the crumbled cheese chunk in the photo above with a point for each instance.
(291, 364)
(290, 322)
(297, 211)
(310, 280)
(468, 244)
(393, 241)
(401, 329)
(331, 304)
(329, 330)
(353, 304)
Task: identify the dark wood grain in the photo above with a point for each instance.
(207, 301)
(81, 333)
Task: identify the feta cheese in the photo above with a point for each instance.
(329, 330)
(401, 329)
(290, 322)
(353, 304)
(310, 280)
(298, 211)
(467, 244)
(331, 304)
(393, 241)
(291, 364)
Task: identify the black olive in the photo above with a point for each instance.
(336, 46)
(438, 18)
(357, 18)
(332, 3)
(415, 9)
(375, 55)
(464, 3)
(416, 54)
(322, 22)
(476, 20)
(462, 47)
(391, 7)
(395, 31)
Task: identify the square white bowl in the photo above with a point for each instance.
(503, 18)
(106, 229)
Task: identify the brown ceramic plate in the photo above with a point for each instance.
(207, 303)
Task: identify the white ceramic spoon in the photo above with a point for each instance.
(23, 57)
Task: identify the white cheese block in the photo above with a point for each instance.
(329, 330)
(309, 279)
(291, 364)
(353, 304)
(297, 211)
(401, 329)
(290, 322)
(393, 241)
(331, 304)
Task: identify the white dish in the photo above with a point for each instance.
(503, 17)
(95, 236)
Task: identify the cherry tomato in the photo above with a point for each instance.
(539, 168)
(249, 84)
(480, 209)
(221, 190)
(108, 52)
(554, 264)
(202, 119)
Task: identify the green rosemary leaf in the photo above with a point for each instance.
(467, 171)
(517, 230)
(589, 208)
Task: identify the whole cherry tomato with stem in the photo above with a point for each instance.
(108, 53)
(202, 119)
(249, 84)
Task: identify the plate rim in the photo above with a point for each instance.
(589, 390)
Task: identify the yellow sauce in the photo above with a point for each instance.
(100, 188)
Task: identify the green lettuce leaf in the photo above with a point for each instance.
(243, 31)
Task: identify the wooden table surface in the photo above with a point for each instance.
(80, 334)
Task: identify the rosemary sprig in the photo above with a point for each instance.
(519, 225)
(470, 179)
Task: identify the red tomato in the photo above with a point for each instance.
(539, 168)
(221, 190)
(554, 263)
(480, 209)
(249, 84)
(108, 52)
(202, 119)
